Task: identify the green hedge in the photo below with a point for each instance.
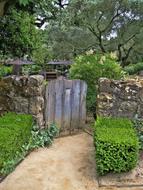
(15, 130)
(117, 145)
(134, 68)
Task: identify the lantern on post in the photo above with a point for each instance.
(17, 65)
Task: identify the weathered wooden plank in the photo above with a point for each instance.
(46, 105)
(59, 90)
(83, 89)
(75, 106)
(51, 102)
(67, 107)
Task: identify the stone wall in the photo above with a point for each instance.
(123, 98)
(23, 94)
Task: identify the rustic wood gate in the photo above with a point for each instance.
(65, 105)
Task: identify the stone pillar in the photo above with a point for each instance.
(23, 94)
(120, 98)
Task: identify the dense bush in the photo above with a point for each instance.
(20, 38)
(90, 68)
(134, 68)
(15, 130)
(31, 69)
(117, 145)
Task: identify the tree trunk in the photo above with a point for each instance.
(2, 5)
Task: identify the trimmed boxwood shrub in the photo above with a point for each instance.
(15, 130)
(117, 145)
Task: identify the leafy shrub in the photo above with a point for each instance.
(31, 69)
(90, 68)
(19, 36)
(5, 70)
(15, 130)
(134, 68)
(43, 137)
(117, 145)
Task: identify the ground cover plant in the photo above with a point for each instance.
(117, 145)
(18, 136)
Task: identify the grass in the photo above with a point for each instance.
(15, 130)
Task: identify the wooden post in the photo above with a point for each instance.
(17, 69)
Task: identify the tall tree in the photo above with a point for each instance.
(5, 4)
(103, 25)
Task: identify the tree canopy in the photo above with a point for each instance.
(73, 27)
(102, 25)
(19, 37)
(5, 4)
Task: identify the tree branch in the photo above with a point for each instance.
(100, 35)
(122, 44)
(120, 52)
(2, 7)
(130, 38)
(100, 17)
(113, 18)
(124, 59)
(99, 38)
(61, 4)
(91, 29)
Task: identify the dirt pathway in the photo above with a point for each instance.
(68, 165)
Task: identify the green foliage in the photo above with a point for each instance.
(5, 5)
(43, 137)
(31, 69)
(134, 68)
(103, 25)
(5, 70)
(19, 36)
(66, 43)
(42, 55)
(138, 124)
(15, 130)
(24, 2)
(90, 68)
(117, 145)
(38, 138)
(107, 25)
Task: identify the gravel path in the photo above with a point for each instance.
(67, 165)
